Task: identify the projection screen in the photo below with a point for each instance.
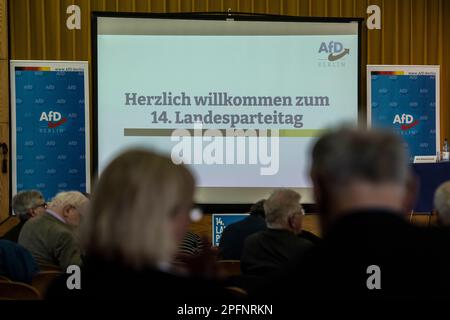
(240, 101)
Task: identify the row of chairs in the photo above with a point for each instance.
(230, 267)
(11, 290)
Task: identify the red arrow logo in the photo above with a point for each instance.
(409, 126)
(56, 124)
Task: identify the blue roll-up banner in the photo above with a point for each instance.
(406, 100)
(50, 126)
(221, 221)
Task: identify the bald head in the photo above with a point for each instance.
(442, 203)
(356, 169)
(372, 156)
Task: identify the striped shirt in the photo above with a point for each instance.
(192, 244)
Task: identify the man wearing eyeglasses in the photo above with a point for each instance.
(26, 204)
(51, 237)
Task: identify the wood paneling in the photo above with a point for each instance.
(4, 178)
(4, 96)
(3, 30)
(4, 106)
(444, 61)
(204, 228)
(310, 223)
(7, 225)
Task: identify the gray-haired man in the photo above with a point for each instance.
(362, 186)
(268, 251)
(442, 203)
(26, 204)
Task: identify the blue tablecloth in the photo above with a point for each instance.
(430, 175)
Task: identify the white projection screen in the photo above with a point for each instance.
(240, 101)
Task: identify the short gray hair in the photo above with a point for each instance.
(282, 204)
(442, 202)
(25, 200)
(345, 155)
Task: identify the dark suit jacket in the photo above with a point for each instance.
(310, 236)
(268, 251)
(233, 237)
(50, 241)
(412, 260)
(13, 233)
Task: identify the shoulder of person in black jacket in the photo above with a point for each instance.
(234, 235)
(310, 236)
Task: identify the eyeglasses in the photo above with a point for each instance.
(42, 205)
(301, 212)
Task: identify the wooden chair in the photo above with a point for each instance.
(18, 291)
(2, 278)
(230, 267)
(237, 292)
(43, 279)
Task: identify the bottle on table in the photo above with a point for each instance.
(445, 151)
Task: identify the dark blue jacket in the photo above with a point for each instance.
(16, 263)
(233, 237)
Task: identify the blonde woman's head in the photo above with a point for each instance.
(139, 209)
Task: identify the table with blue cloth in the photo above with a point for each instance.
(430, 175)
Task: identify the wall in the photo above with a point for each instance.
(413, 32)
(310, 223)
(4, 105)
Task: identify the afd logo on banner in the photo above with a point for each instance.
(53, 118)
(50, 121)
(406, 104)
(406, 121)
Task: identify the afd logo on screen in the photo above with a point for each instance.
(406, 121)
(332, 55)
(335, 50)
(53, 118)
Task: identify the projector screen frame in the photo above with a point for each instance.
(214, 16)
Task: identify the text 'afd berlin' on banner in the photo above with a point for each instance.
(50, 126)
(405, 99)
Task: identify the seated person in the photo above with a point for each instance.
(139, 215)
(26, 204)
(16, 263)
(310, 237)
(50, 237)
(234, 235)
(442, 204)
(190, 246)
(363, 189)
(267, 251)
